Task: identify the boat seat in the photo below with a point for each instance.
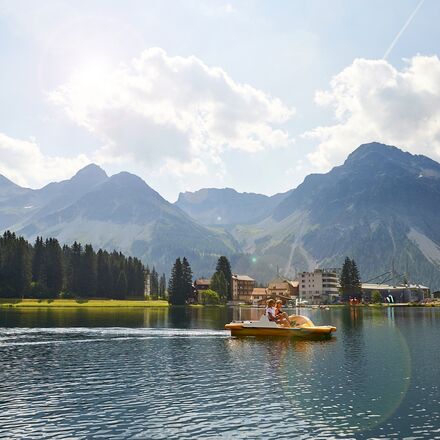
(300, 321)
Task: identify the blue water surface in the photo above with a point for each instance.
(175, 373)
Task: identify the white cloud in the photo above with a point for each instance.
(23, 162)
(373, 101)
(172, 111)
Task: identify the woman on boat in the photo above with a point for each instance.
(270, 310)
(281, 316)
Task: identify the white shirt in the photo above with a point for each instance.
(271, 311)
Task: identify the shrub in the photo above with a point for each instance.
(209, 297)
(376, 297)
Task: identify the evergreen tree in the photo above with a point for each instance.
(162, 287)
(219, 285)
(130, 272)
(355, 280)
(349, 280)
(187, 283)
(104, 280)
(139, 278)
(88, 272)
(74, 270)
(154, 283)
(121, 285)
(175, 286)
(224, 266)
(38, 261)
(15, 265)
(53, 267)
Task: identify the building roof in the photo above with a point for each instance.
(280, 283)
(259, 291)
(202, 281)
(242, 277)
(391, 287)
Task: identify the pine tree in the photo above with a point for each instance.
(74, 270)
(224, 266)
(104, 279)
(53, 267)
(175, 285)
(139, 278)
(15, 265)
(121, 285)
(187, 283)
(88, 272)
(349, 280)
(162, 286)
(38, 261)
(355, 280)
(219, 285)
(154, 283)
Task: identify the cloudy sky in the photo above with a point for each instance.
(187, 94)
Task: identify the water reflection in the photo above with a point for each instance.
(175, 373)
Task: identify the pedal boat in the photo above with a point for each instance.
(302, 327)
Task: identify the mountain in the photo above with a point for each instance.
(9, 191)
(122, 212)
(18, 205)
(381, 207)
(215, 206)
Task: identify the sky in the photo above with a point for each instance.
(188, 94)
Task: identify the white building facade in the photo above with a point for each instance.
(319, 287)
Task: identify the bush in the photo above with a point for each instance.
(209, 298)
(376, 297)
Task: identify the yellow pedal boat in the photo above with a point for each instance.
(301, 327)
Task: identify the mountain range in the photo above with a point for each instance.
(381, 207)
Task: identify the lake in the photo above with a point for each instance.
(175, 373)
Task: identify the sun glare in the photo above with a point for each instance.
(92, 71)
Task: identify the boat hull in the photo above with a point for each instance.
(315, 332)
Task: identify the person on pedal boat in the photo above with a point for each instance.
(270, 310)
(271, 313)
(281, 317)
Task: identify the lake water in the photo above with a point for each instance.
(175, 373)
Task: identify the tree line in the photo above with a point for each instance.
(181, 288)
(47, 270)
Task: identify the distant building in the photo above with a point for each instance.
(199, 285)
(202, 284)
(242, 287)
(147, 285)
(401, 293)
(259, 295)
(283, 287)
(319, 287)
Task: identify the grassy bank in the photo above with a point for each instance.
(6, 302)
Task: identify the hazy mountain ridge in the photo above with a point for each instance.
(381, 205)
(119, 212)
(226, 206)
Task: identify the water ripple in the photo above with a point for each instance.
(371, 381)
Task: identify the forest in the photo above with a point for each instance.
(46, 269)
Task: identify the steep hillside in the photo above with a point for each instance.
(382, 205)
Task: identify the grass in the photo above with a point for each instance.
(6, 302)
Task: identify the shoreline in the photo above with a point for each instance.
(83, 303)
